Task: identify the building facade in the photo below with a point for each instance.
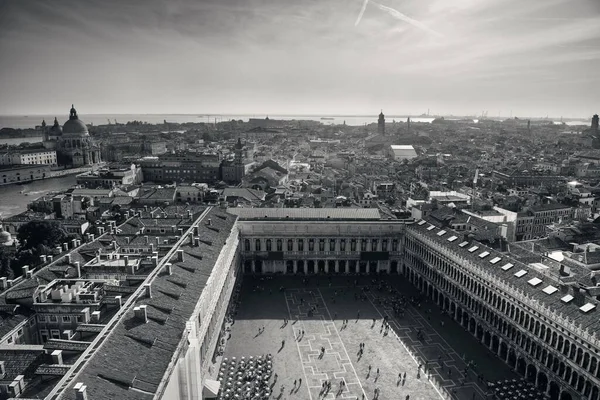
(72, 142)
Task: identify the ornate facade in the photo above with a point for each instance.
(72, 142)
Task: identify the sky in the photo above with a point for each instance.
(322, 57)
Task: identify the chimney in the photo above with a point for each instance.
(146, 239)
(126, 260)
(69, 259)
(93, 237)
(43, 259)
(58, 249)
(88, 237)
(174, 227)
(152, 247)
(96, 316)
(3, 283)
(148, 289)
(73, 243)
(25, 270)
(141, 314)
(65, 246)
(78, 267)
(119, 301)
(50, 259)
(197, 241)
(29, 274)
(157, 240)
(2, 369)
(209, 223)
(128, 239)
(80, 391)
(154, 261)
(196, 230)
(57, 357)
(180, 255)
(191, 239)
(180, 231)
(169, 268)
(114, 243)
(190, 215)
(78, 242)
(21, 380)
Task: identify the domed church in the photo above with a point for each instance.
(72, 142)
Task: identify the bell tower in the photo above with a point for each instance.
(381, 124)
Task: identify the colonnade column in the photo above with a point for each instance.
(295, 266)
(253, 266)
(337, 266)
(326, 262)
(305, 267)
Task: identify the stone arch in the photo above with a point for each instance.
(512, 357)
(301, 266)
(503, 350)
(289, 267)
(321, 266)
(310, 267)
(566, 396)
(472, 325)
(542, 381)
(531, 373)
(258, 267)
(554, 391)
(521, 366)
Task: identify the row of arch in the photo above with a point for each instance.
(493, 320)
(321, 244)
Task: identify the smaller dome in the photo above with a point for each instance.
(5, 238)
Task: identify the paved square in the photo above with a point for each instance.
(316, 311)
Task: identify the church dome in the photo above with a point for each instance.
(74, 126)
(5, 238)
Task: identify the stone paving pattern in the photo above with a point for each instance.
(300, 358)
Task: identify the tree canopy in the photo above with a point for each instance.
(45, 233)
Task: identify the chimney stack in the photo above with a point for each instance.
(196, 230)
(114, 243)
(141, 314)
(92, 236)
(146, 239)
(50, 259)
(119, 301)
(148, 289)
(43, 259)
(152, 247)
(169, 268)
(57, 357)
(69, 259)
(157, 240)
(65, 246)
(74, 243)
(78, 266)
(25, 270)
(197, 241)
(209, 222)
(2, 369)
(80, 391)
(180, 255)
(154, 261)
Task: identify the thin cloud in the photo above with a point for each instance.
(362, 11)
(402, 17)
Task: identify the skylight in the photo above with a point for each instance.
(587, 307)
(550, 289)
(495, 260)
(507, 266)
(472, 249)
(463, 244)
(567, 298)
(430, 227)
(421, 222)
(521, 273)
(441, 233)
(452, 238)
(484, 254)
(534, 281)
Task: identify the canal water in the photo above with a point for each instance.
(14, 198)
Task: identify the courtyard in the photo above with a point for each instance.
(314, 327)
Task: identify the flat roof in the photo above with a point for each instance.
(341, 214)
